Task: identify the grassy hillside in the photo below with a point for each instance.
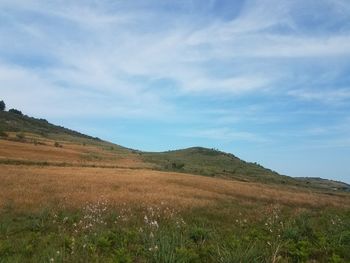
(325, 183)
(211, 162)
(196, 160)
(81, 149)
(68, 197)
(29, 141)
(214, 163)
(12, 122)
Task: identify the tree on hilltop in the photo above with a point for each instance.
(18, 112)
(2, 105)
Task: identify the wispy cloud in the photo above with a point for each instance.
(39, 95)
(337, 95)
(105, 49)
(259, 71)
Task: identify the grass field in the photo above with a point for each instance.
(77, 214)
(66, 197)
(34, 149)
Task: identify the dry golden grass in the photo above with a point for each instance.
(70, 153)
(34, 187)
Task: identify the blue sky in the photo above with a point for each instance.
(267, 80)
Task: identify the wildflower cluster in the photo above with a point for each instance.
(124, 214)
(240, 220)
(274, 224)
(154, 217)
(336, 220)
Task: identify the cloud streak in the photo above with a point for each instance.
(242, 71)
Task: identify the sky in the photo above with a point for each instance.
(266, 80)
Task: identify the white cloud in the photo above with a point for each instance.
(98, 48)
(38, 95)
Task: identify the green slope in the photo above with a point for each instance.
(12, 122)
(211, 162)
(325, 183)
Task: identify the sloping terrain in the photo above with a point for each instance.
(211, 162)
(29, 187)
(13, 122)
(67, 197)
(325, 183)
(24, 132)
(27, 140)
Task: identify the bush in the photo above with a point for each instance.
(3, 134)
(177, 165)
(2, 105)
(57, 144)
(14, 111)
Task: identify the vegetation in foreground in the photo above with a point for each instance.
(99, 232)
(73, 214)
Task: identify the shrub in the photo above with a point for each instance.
(14, 111)
(3, 134)
(177, 165)
(2, 105)
(57, 144)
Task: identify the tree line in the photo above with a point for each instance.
(3, 108)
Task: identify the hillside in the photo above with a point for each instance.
(68, 197)
(211, 162)
(31, 141)
(325, 183)
(12, 122)
(21, 133)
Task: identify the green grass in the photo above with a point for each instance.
(17, 123)
(210, 162)
(10, 122)
(224, 233)
(214, 163)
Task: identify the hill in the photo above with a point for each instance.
(22, 132)
(212, 162)
(30, 141)
(68, 197)
(13, 122)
